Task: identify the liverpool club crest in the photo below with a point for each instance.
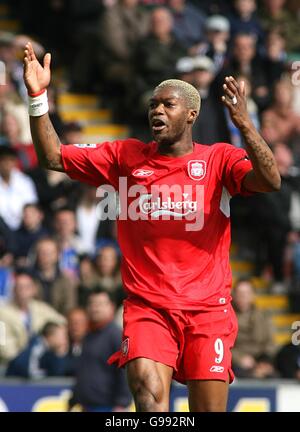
(197, 169)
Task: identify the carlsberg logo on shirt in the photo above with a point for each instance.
(168, 207)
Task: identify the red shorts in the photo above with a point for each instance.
(197, 345)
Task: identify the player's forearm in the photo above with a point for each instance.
(46, 142)
(267, 177)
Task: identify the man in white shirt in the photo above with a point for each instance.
(16, 188)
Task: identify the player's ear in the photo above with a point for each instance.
(193, 114)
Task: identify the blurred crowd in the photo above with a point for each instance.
(60, 283)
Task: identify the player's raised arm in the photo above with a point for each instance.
(265, 176)
(45, 139)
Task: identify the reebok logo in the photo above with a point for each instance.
(216, 368)
(142, 173)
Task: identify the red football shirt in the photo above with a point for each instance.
(174, 226)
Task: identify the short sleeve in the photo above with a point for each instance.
(94, 164)
(236, 165)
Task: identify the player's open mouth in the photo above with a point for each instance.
(158, 125)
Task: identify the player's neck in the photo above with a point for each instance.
(178, 149)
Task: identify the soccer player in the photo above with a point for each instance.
(174, 233)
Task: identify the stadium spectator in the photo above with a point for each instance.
(88, 219)
(7, 239)
(46, 355)
(216, 41)
(246, 61)
(68, 241)
(121, 27)
(31, 230)
(11, 103)
(156, 57)
(56, 288)
(11, 129)
(254, 348)
(6, 263)
(72, 133)
(98, 386)
(288, 361)
(210, 127)
(24, 316)
(274, 57)
(16, 189)
(87, 279)
(275, 49)
(13, 64)
(54, 190)
(280, 123)
(185, 69)
(274, 16)
(272, 223)
(244, 20)
(107, 266)
(104, 56)
(189, 23)
(77, 330)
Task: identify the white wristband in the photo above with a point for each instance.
(38, 105)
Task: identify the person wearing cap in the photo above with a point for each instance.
(218, 35)
(185, 69)
(211, 126)
(217, 38)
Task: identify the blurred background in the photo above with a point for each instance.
(60, 287)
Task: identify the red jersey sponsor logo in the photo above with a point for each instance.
(160, 206)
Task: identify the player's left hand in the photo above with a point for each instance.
(235, 100)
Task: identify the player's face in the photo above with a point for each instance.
(168, 115)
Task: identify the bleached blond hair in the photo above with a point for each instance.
(188, 91)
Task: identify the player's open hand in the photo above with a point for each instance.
(36, 76)
(235, 100)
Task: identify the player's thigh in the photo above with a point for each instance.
(207, 351)
(208, 395)
(148, 333)
(151, 377)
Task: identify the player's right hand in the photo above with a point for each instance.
(36, 76)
